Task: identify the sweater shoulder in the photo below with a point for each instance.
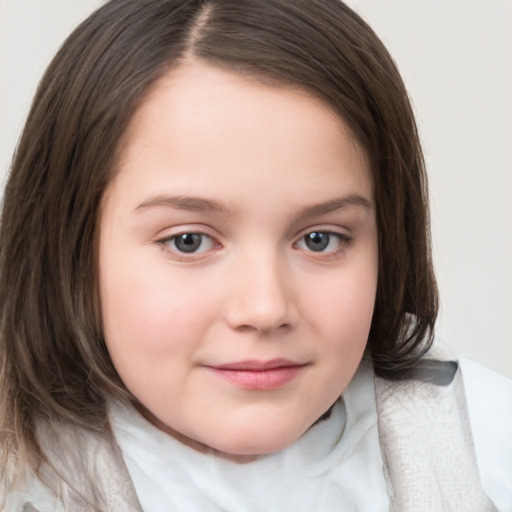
(489, 400)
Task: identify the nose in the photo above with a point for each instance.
(261, 297)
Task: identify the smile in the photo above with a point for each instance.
(258, 375)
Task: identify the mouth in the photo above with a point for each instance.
(258, 375)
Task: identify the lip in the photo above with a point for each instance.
(258, 375)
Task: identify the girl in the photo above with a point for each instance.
(216, 281)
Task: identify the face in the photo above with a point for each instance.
(238, 260)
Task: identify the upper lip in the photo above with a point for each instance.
(256, 364)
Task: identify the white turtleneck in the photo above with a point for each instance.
(336, 465)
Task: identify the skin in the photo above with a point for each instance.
(252, 169)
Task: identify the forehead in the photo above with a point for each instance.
(200, 121)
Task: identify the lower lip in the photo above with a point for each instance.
(262, 380)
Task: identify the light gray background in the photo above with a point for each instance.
(456, 59)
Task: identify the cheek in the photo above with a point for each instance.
(343, 306)
(152, 330)
(343, 310)
(154, 311)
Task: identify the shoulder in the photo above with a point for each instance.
(84, 470)
(31, 496)
(489, 401)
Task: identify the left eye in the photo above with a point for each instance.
(189, 243)
(321, 241)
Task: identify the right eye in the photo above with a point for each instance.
(188, 243)
(192, 242)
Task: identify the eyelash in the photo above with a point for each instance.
(344, 243)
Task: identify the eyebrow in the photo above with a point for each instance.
(204, 205)
(337, 203)
(189, 203)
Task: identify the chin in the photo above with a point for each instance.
(251, 443)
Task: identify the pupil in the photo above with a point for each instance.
(188, 242)
(317, 241)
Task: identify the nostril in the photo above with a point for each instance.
(245, 328)
(278, 329)
(283, 328)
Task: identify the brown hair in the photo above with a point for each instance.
(54, 363)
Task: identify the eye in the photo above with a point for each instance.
(322, 241)
(189, 243)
